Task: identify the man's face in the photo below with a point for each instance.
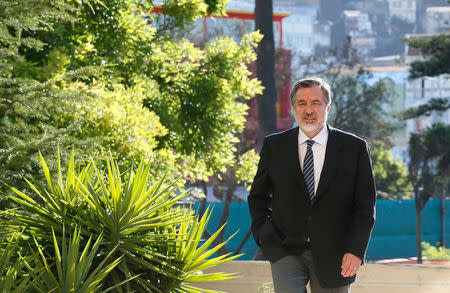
(311, 110)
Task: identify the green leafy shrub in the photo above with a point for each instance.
(144, 242)
(10, 267)
(107, 77)
(72, 267)
(435, 252)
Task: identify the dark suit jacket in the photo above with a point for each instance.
(339, 220)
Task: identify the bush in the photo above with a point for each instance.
(143, 241)
(435, 252)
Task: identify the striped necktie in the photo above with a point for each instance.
(308, 169)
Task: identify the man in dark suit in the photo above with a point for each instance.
(312, 201)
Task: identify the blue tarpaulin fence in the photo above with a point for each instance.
(393, 236)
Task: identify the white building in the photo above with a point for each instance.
(358, 26)
(437, 20)
(404, 9)
(357, 23)
(298, 28)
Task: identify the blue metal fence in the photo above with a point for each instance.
(393, 236)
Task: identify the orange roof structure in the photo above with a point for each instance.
(237, 14)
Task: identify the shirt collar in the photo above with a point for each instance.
(320, 137)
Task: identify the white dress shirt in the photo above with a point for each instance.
(318, 149)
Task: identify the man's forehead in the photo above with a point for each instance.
(304, 96)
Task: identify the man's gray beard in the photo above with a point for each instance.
(314, 127)
(311, 128)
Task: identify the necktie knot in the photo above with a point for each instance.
(310, 142)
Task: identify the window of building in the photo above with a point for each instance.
(396, 4)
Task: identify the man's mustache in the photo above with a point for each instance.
(312, 115)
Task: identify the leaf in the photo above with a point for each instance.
(46, 172)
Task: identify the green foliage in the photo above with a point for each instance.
(437, 140)
(357, 106)
(437, 53)
(202, 97)
(159, 245)
(36, 115)
(83, 83)
(247, 165)
(178, 15)
(435, 104)
(429, 162)
(18, 19)
(34, 112)
(72, 266)
(390, 175)
(435, 252)
(129, 130)
(216, 7)
(11, 279)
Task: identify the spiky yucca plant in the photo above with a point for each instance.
(11, 265)
(72, 267)
(160, 244)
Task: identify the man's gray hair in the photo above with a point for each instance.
(310, 82)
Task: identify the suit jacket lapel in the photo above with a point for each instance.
(294, 162)
(292, 157)
(329, 168)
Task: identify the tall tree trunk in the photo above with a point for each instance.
(419, 236)
(265, 70)
(247, 236)
(203, 202)
(225, 215)
(419, 207)
(443, 212)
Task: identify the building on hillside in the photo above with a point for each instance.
(331, 10)
(298, 33)
(403, 9)
(358, 28)
(420, 91)
(437, 20)
(378, 12)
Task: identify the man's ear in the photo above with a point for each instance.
(328, 108)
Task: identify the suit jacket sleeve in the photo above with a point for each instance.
(260, 193)
(364, 204)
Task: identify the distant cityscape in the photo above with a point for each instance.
(375, 29)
